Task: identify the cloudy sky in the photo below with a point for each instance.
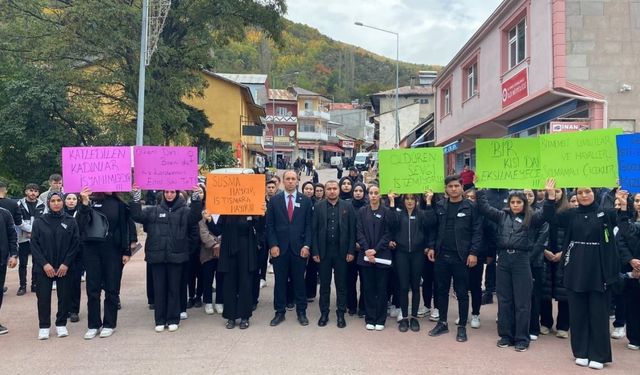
(431, 31)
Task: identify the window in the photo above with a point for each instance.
(307, 126)
(517, 43)
(472, 80)
(308, 105)
(280, 131)
(446, 100)
(282, 111)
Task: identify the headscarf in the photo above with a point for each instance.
(343, 195)
(49, 197)
(70, 211)
(358, 203)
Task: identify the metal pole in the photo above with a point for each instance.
(273, 126)
(142, 72)
(397, 88)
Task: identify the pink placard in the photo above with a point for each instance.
(166, 168)
(101, 169)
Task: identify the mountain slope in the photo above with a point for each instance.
(330, 67)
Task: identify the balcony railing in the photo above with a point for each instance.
(269, 119)
(314, 114)
(312, 136)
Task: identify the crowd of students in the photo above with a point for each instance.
(579, 247)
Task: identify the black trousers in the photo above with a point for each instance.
(238, 296)
(490, 277)
(311, 279)
(184, 281)
(620, 306)
(409, 269)
(194, 277)
(149, 286)
(590, 325)
(261, 272)
(103, 264)
(208, 274)
(354, 303)
(24, 249)
(3, 277)
(632, 299)
(43, 293)
(513, 287)
(337, 265)
(536, 294)
(546, 314)
(429, 289)
(167, 278)
(475, 286)
(374, 281)
(449, 266)
(284, 266)
(75, 286)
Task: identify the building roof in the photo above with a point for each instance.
(304, 92)
(245, 91)
(407, 90)
(247, 79)
(281, 95)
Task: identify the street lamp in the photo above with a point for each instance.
(397, 74)
(273, 119)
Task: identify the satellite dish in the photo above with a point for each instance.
(292, 133)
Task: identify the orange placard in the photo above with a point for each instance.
(235, 194)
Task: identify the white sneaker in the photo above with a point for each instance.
(54, 286)
(263, 283)
(596, 365)
(633, 347)
(399, 317)
(475, 321)
(43, 334)
(544, 330)
(379, 327)
(62, 332)
(159, 329)
(91, 333)
(423, 311)
(219, 308)
(457, 321)
(173, 327)
(584, 362)
(435, 315)
(370, 327)
(533, 337)
(618, 333)
(208, 309)
(184, 315)
(562, 334)
(106, 332)
(83, 278)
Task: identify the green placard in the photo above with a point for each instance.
(581, 159)
(509, 163)
(411, 170)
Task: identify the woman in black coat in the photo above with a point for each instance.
(591, 266)
(168, 228)
(552, 286)
(54, 244)
(107, 234)
(346, 189)
(373, 233)
(238, 261)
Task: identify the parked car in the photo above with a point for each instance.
(336, 162)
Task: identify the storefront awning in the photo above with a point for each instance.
(545, 116)
(331, 148)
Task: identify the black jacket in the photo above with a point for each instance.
(168, 229)
(552, 284)
(8, 237)
(239, 234)
(346, 223)
(511, 233)
(629, 235)
(54, 240)
(370, 238)
(609, 258)
(121, 237)
(415, 232)
(12, 206)
(468, 228)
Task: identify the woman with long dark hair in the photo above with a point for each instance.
(108, 234)
(590, 264)
(54, 243)
(517, 230)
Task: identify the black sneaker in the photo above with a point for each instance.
(290, 306)
(504, 342)
(190, 304)
(440, 329)
(74, 318)
(3, 330)
(197, 303)
(520, 347)
(414, 325)
(21, 291)
(404, 325)
(462, 334)
(487, 298)
(33, 288)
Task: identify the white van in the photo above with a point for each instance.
(360, 162)
(336, 162)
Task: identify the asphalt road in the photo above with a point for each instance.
(203, 345)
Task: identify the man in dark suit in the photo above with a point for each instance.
(289, 215)
(334, 239)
